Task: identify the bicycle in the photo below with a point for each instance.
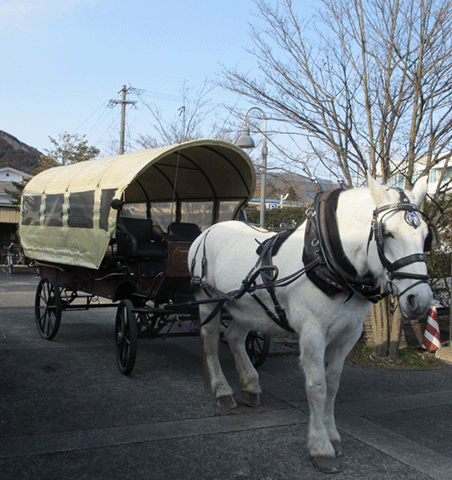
(9, 259)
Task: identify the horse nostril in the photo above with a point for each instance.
(412, 301)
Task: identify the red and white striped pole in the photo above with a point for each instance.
(432, 340)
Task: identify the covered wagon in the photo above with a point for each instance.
(120, 228)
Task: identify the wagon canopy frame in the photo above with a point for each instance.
(66, 214)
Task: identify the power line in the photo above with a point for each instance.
(104, 104)
(109, 126)
(98, 122)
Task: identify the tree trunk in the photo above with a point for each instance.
(395, 333)
(385, 329)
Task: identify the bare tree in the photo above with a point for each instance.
(197, 117)
(365, 83)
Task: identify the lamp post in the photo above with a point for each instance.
(245, 141)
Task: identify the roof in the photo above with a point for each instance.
(154, 170)
(15, 170)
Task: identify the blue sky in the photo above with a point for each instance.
(63, 60)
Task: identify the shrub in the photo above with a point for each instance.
(278, 218)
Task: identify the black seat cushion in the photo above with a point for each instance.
(183, 231)
(136, 240)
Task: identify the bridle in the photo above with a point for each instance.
(412, 218)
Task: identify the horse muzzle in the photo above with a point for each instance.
(415, 302)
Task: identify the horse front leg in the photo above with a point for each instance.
(214, 376)
(334, 362)
(236, 335)
(335, 356)
(312, 356)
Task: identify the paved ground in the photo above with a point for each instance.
(66, 413)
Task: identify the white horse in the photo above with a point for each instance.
(328, 326)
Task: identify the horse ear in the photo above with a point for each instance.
(419, 191)
(379, 193)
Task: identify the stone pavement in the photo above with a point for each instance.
(67, 413)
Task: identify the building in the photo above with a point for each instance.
(398, 179)
(9, 214)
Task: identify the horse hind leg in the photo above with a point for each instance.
(213, 373)
(236, 335)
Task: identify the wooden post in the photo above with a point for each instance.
(450, 307)
(394, 333)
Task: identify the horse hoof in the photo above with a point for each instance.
(227, 402)
(251, 399)
(337, 448)
(326, 464)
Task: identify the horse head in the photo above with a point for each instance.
(400, 230)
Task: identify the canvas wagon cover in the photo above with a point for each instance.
(66, 216)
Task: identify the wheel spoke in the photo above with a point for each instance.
(49, 324)
(125, 353)
(42, 321)
(257, 347)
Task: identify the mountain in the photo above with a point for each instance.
(16, 154)
(299, 187)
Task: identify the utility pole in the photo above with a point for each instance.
(123, 103)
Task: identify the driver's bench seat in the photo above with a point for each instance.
(183, 232)
(136, 240)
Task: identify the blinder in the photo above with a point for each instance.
(432, 241)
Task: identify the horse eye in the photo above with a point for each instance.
(387, 234)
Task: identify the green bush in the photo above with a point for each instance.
(438, 264)
(279, 218)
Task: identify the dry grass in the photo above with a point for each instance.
(409, 359)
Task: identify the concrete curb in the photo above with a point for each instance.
(444, 354)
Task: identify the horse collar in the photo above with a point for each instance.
(336, 273)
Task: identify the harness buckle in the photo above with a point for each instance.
(373, 224)
(195, 282)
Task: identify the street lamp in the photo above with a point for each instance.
(245, 141)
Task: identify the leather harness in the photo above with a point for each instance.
(335, 274)
(324, 259)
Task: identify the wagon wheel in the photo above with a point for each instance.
(48, 308)
(126, 337)
(257, 346)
